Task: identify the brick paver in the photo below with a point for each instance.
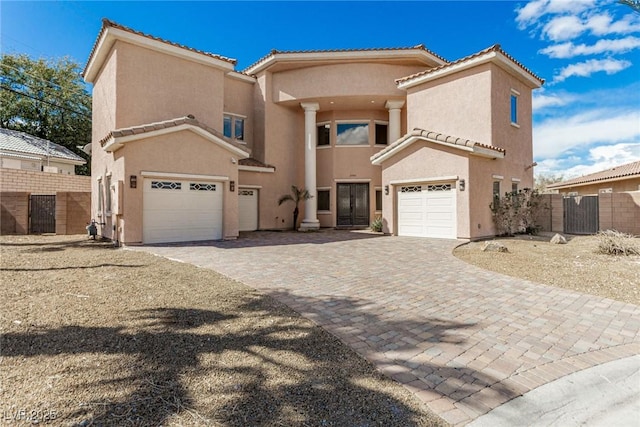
(462, 339)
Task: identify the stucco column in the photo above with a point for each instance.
(310, 221)
(395, 125)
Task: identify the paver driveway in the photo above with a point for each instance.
(464, 340)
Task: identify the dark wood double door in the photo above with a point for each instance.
(353, 205)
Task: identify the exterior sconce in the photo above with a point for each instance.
(386, 190)
(461, 185)
(232, 186)
(133, 181)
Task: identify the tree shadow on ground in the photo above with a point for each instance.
(254, 239)
(267, 370)
(43, 243)
(77, 267)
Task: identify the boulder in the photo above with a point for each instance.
(494, 247)
(558, 239)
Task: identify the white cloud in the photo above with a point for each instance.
(604, 24)
(585, 69)
(531, 12)
(563, 28)
(555, 137)
(598, 158)
(540, 101)
(569, 50)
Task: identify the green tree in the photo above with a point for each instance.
(542, 181)
(48, 99)
(297, 195)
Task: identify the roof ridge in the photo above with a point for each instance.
(626, 169)
(338, 50)
(107, 23)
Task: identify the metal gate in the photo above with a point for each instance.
(42, 214)
(581, 214)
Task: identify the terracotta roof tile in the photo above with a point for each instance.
(626, 170)
(191, 120)
(494, 48)
(275, 52)
(250, 161)
(106, 23)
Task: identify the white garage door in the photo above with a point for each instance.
(427, 210)
(181, 210)
(248, 209)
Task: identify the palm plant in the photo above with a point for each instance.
(297, 195)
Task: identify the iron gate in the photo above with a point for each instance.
(581, 214)
(42, 214)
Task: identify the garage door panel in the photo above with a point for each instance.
(427, 210)
(181, 210)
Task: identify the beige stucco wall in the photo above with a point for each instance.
(632, 184)
(421, 162)
(152, 87)
(238, 99)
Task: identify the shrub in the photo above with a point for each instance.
(516, 212)
(376, 224)
(612, 242)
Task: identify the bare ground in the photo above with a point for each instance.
(93, 335)
(575, 265)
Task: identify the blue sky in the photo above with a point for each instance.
(586, 116)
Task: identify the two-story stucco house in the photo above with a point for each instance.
(187, 148)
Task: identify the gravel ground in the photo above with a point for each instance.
(93, 335)
(575, 265)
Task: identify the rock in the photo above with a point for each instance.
(558, 239)
(494, 247)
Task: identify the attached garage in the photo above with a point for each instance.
(181, 210)
(427, 210)
(248, 209)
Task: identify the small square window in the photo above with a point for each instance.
(381, 134)
(324, 203)
(238, 129)
(514, 108)
(227, 126)
(324, 135)
(379, 200)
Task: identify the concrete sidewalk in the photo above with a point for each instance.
(463, 339)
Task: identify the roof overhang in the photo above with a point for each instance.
(470, 147)
(110, 35)
(494, 56)
(114, 143)
(328, 57)
(43, 158)
(561, 186)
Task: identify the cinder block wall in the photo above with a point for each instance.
(42, 182)
(14, 218)
(620, 211)
(73, 212)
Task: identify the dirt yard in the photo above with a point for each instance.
(575, 265)
(93, 335)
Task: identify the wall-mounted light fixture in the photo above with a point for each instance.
(133, 181)
(386, 190)
(461, 184)
(232, 186)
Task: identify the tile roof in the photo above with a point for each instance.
(250, 161)
(106, 23)
(630, 170)
(494, 48)
(167, 124)
(382, 49)
(16, 143)
(435, 136)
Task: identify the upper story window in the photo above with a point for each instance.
(514, 107)
(381, 133)
(353, 134)
(324, 134)
(233, 127)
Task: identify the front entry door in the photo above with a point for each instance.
(353, 205)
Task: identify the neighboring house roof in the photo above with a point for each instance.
(491, 54)
(117, 138)
(22, 145)
(418, 51)
(417, 134)
(626, 171)
(111, 31)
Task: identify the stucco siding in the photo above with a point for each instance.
(238, 99)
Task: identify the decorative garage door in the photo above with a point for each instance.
(181, 210)
(427, 210)
(248, 209)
